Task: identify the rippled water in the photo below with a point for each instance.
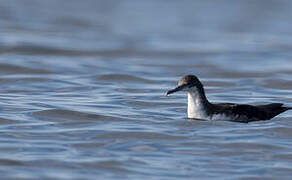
(83, 83)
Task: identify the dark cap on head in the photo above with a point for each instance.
(185, 82)
(189, 79)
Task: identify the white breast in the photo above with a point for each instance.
(196, 108)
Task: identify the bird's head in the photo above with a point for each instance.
(187, 83)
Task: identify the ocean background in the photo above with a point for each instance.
(83, 84)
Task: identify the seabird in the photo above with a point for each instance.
(200, 108)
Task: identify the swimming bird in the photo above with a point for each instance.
(200, 108)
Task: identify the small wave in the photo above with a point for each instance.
(10, 162)
(278, 84)
(6, 121)
(123, 78)
(148, 104)
(15, 69)
(60, 115)
(137, 135)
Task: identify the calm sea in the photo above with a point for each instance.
(83, 83)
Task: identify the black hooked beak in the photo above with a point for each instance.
(178, 88)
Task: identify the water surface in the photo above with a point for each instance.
(83, 83)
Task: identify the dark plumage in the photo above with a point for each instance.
(251, 113)
(199, 107)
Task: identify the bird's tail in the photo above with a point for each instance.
(276, 108)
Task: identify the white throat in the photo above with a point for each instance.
(196, 108)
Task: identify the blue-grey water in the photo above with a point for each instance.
(83, 83)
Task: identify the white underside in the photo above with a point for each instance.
(217, 117)
(214, 117)
(196, 110)
(195, 106)
(199, 114)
